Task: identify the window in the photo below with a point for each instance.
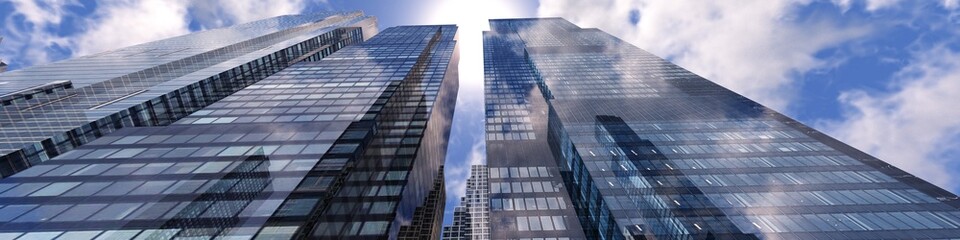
(289, 149)
(13, 211)
(296, 207)
(119, 188)
(152, 168)
(23, 189)
(212, 167)
(234, 151)
(374, 228)
(93, 169)
(285, 232)
(55, 189)
(42, 213)
(541, 223)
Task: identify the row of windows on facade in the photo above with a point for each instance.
(794, 223)
(509, 127)
(524, 187)
(639, 127)
(523, 112)
(782, 199)
(521, 204)
(278, 95)
(511, 136)
(733, 163)
(709, 136)
(188, 152)
(349, 107)
(905, 220)
(272, 232)
(720, 148)
(280, 135)
(494, 107)
(518, 172)
(541, 223)
(303, 88)
(169, 168)
(273, 119)
(136, 211)
(359, 228)
(745, 180)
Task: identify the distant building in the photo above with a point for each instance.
(471, 218)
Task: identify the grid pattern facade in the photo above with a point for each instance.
(354, 139)
(51, 109)
(649, 150)
(527, 195)
(428, 217)
(396, 147)
(471, 220)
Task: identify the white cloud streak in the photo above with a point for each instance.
(120, 23)
(27, 44)
(756, 48)
(913, 126)
(218, 13)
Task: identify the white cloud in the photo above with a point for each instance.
(951, 4)
(756, 48)
(129, 22)
(218, 13)
(41, 12)
(869, 5)
(119, 24)
(760, 49)
(916, 125)
(28, 43)
(457, 173)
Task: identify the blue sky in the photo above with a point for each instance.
(881, 75)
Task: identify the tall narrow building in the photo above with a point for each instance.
(338, 138)
(471, 218)
(589, 137)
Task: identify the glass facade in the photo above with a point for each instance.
(472, 218)
(48, 110)
(596, 134)
(528, 197)
(340, 139)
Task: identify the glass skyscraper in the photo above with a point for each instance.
(589, 137)
(471, 218)
(302, 126)
(48, 110)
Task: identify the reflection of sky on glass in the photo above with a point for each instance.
(466, 137)
(872, 73)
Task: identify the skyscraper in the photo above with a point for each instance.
(48, 110)
(339, 137)
(591, 137)
(471, 218)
